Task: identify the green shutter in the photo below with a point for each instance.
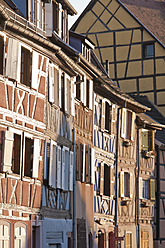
(145, 140)
(152, 189)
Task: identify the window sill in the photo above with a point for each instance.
(145, 203)
(148, 154)
(127, 143)
(125, 201)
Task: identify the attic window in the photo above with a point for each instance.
(148, 50)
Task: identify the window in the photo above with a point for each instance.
(78, 88)
(128, 240)
(107, 116)
(62, 92)
(4, 234)
(16, 154)
(97, 111)
(36, 13)
(145, 189)
(84, 155)
(54, 84)
(128, 124)
(106, 180)
(1, 54)
(147, 140)
(126, 184)
(87, 93)
(28, 166)
(148, 50)
(20, 235)
(26, 66)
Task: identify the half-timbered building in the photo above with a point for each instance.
(129, 34)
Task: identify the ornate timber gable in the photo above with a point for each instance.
(133, 52)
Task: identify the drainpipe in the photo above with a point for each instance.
(74, 193)
(137, 198)
(116, 176)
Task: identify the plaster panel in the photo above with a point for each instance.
(162, 110)
(134, 69)
(98, 8)
(107, 54)
(113, 6)
(122, 53)
(145, 84)
(150, 96)
(123, 37)
(160, 97)
(121, 70)
(160, 82)
(105, 39)
(2, 96)
(148, 67)
(159, 50)
(128, 85)
(136, 36)
(147, 36)
(86, 22)
(135, 52)
(162, 227)
(162, 185)
(105, 16)
(126, 18)
(112, 73)
(114, 24)
(160, 66)
(97, 27)
(92, 37)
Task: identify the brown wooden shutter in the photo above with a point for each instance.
(113, 119)
(122, 184)
(151, 140)
(103, 115)
(101, 178)
(152, 189)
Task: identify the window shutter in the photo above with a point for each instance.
(123, 126)
(101, 178)
(59, 82)
(103, 115)
(122, 184)
(52, 165)
(4, 235)
(72, 97)
(36, 158)
(48, 19)
(140, 188)
(151, 140)
(113, 120)
(51, 83)
(91, 94)
(133, 126)
(145, 140)
(2, 134)
(8, 150)
(60, 20)
(92, 165)
(111, 182)
(63, 168)
(130, 185)
(84, 164)
(35, 70)
(82, 90)
(13, 59)
(71, 171)
(56, 86)
(66, 92)
(152, 189)
(59, 167)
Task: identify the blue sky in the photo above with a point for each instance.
(79, 5)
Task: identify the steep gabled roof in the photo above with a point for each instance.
(151, 13)
(152, 20)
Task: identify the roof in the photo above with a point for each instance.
(151, 13)
(154, 114)
(70, 8)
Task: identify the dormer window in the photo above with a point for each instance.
(86, 52)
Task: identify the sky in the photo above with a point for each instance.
(79, 6)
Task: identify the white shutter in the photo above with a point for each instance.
(101, 178)
(56, 86)
(20, 237)
(47, 159)
(130, 185)
(35, 70)
(113, 120)
(71, 171)
(65, 92)
(52, 165)
(8, 150)
(51, 83)
(122, 184)
(140, 188)
(72, 97)
(36, 157)
(91, 94)
(59, 77)
(123, 126)
(63, 168)
(92, 165)
(13, 59)
(82, 91)
(103, 115)
(133, 126)
(49, 19)
(84, 164)
(59, 167)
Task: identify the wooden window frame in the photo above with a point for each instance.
(145, 46)
(145, 189)
(20, 225)
(27, 171)
(6, 238)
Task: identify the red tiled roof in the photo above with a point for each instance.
(151, 13)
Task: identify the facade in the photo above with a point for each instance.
(129, 39)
